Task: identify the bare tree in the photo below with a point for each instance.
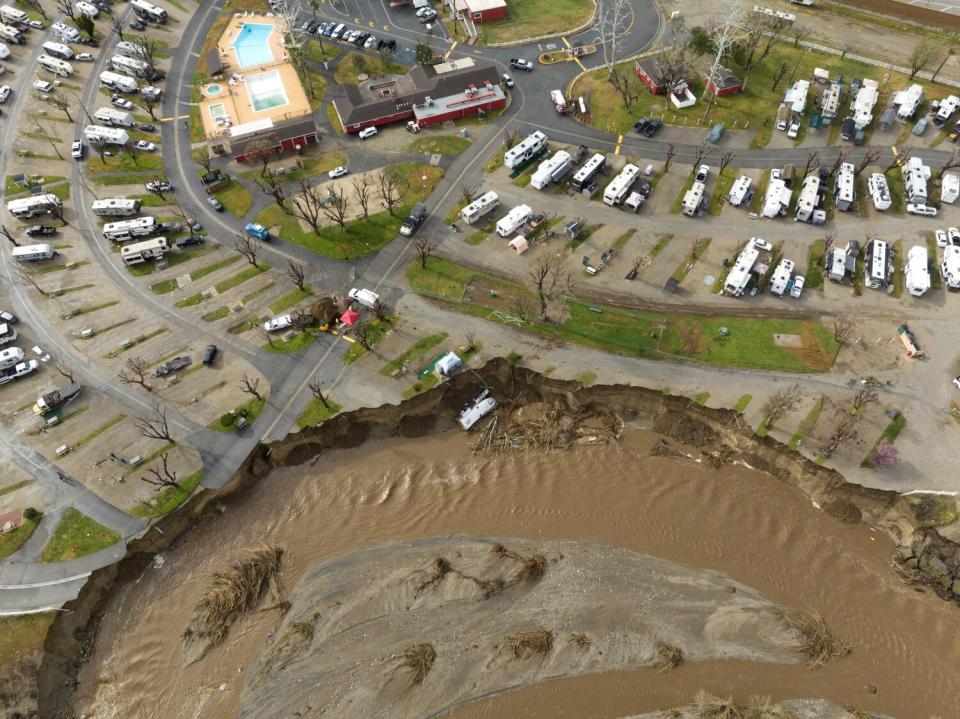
(259, 151)
(203, 159)
(468, 192)
(827, 244)
(150, 49)
(66, 7)
(316, 389)
(841, 329)
(470, 341)
(870, 155)
(296, 273)
(701, 152)
(392, 190)
(272, 184)
(155, 187)
(268, 336)
(671, 63)
(840, 159)
(150, 104)
(520, 307)
(248, 246)
(669, 151)
(135, 372)
(65, 371)
(725, 160)
(364, 336)
(155, 427)
(62, 104)
(307, 204)
(36, 5)
(948, 53)
(336, 207)
(47, 135)
(301, 320)
(551, 281)
(925, 52)
(163, 477)
(133, 152)
(900, 156)
(867, 394)
(250, 385)
(783, 401)
(30, 276)
(6, 233)
(380, 309)
(118, 26)
(425, 248)
(800, 33)
(846, 431)
(813, 161)
(625, 81)
(362, 187)
(510, 135)
(761, 34)
(951, 162)
(611, 23)
(778, 76)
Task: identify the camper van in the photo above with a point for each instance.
(117, 82)
(693, 199)
(879, 191)
(31, 253)
(528, 147)
(58, 50)
(148, 11)
(590, 168)
(126, 230)
(58, 67)
(132, 49)
(100, 135)
(484, 204)
(781, 277)
(113, 117)
(879, 265)
(552, 170)
(33, 206)
(139, 252)
(13, 16)
(115, 207)
(916, 272)
(514, 220)
(619, 186)
(11, 34)
(739, 190)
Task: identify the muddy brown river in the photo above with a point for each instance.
(757, 530)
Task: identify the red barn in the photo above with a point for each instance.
(725, 83)
(480, 11)
(649, 73)
(459, 105)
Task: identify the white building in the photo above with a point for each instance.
(879, 191)
(776, 201)
(844, 190)
(915, 176)
(908, 102)
(916, 271)
(864, 102)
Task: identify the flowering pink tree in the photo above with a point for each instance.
(885, 455)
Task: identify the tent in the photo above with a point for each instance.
(350, 318)
(519, 244)
(448, 364)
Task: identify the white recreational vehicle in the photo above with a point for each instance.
(528, 147)
(132, 49)
(100, 135)
(58, 67)
(915, 176)
(620, 185)
(31, 253)
(879, 191)
(115, 207)
(130, 66)
(693, 199)
(776, 201)
(830, 103)
(126, 230)
(916, 271)
(10, 357)
(552, 169)
(113, 117)
(13, 16)
(85, 8)
(781, 277)
(949, 187)
(879, 265)
(948, 106)
(864, 103)
(58, 50)
(590, 168)
(739, 190)
(950, 267)
(65, 32)
(796, 96)
(514, 220)
(34, 206)
(139, 252)
(808, 200)
(148, 11)
(484, 204)
(117, 82)
(11, 34)
(739, 275)
(908, 102)
(844, 189)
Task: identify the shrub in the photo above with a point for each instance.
(514, 357)
(227, 419)
(31, 514)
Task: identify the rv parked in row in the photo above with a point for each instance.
(879, 267)
(11, 34)
(552, 169)
(132, 66)
(619, 186)
(58, 50)
(34, 206)
(916, 271)
(58, 67)
(879, 191)
(115, 207)
(138, 252)
(113, 117)
(126, 230)
(100, 135)
(590, 169)
(65, 32)
(514, 220)
(132, 49)
(32, 253)
(117, 82)
(527, 148)
(13, 16)
(148, 11)
(483, 205)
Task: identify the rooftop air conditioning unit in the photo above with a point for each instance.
(428, 100)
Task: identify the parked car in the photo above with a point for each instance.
(507, 80)
(389, 44)
(424, 11)
(146, 127)
(150, 91)
(716, 132)
(43, 86)
(703, 172)
(10, 319)
(41, 231)
(367, 132)
(941, 236)
(924, 210)
(278, 323)
(337, 172)
(4, 93)
(518, 63)
(145, 146)
(338, 31)
(36, 25)
(83, 57)
(190, 241)
(360, 39)
(76, 150)
(215, 203)
(121, 102)
(429, 16)
(797, 288)
(370, 43)
(847, 129)
(953, 236)
(138, 25)
(328, 30)
(762, 245)
(193, 224)
(209, 355)
(159, 186)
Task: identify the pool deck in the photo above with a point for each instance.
(233, 95)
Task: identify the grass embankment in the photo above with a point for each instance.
(306, 167)
(21, 637)
(816, 263)
(235, 197)
(167, 499)
(377, 331)
(11, 541)
(804, 429)
(418, 349)
(361, 237)
(535, 18)
(316, 412)
(250, 409)
(77, 535)
(162, 288)
(749, 343)
(229, 283)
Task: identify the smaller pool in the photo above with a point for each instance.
(214, 89)
(252, 44)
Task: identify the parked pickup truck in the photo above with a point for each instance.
(170, 366)
(52, 400)
(518, 63)
(417, 215)
(17, 371)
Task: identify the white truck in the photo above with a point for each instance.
(367, 298)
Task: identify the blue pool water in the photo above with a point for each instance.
(252, 46)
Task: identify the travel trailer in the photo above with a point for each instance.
(31, 253)
(126, 230)
(552, 169)
(514, 220)
(139, 252)
(916, 271)
(528, 147)
(34, 206)
(619, 186)
(585, 174)
(115, 207)
(483, 205)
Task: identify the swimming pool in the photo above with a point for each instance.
(266, 91)
(213, 89)
(252, 44)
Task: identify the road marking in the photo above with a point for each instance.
(896, 155)
(576, 59)
(452, 47)
(194, 54)
(174, 119)
(619, 142)
(356, 20)
(386, 28)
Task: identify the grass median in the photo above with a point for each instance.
(77, 535)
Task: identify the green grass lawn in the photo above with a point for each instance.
(316, 412)
(890, 433)
(168, 498)
(127, 178)
(328, 52)
(334, 119)
(440, 145)
(533, 18)
(743, 403)
(355, 64)
(301, 340)
(419, 348)
(496, 161)
(749, 343)
(250, 409)
(123, 162)
(701, 398)
(662, 242)
(293, 297)
(756, 204)
(217, 314)
(816, 260)
(10, 542)
(14, 188)
(898, 276)
(362, 237)
(724, 182)
(811, 419)
(77, 535)
(22, 636)
(895, 185)
(314, 85)
(936, 281)
(378, 330)
(309, 166)
(683, 269)
(678, 200)
(235, 198)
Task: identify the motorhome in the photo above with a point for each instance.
(7, 333)
(139, 252)
(34, 206)
(11, 34)
(693, 199)
(13, 16)
(950, 267)
(781, 277)
(948, 106)
(739, 190)
(58, 50)
(58, 67)
(85, 8)
(830, 102)
(809, 200)
(796, 96)
(844, 188)
(10, 357)
(949, 187)
(619, 186)
(739, 275)
(117, 82)
(915, 176)
(65, 32)
(916, 271)
(590, 168)
(31, 253)
(486, 203)
(132, 66)
(879, 191)
(514, 220)
(864, 103)
(552, 169)
(836, 264)
(528, 147)
(776, 201)
(100, 135)
(879, 266)
(113, 117)
(126, 230)
(132, 49)
(908, 102)
(148, 11)
(115, 207)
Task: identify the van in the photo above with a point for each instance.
(847, 129)
(338, 31)
(209, 355)
(367, 298)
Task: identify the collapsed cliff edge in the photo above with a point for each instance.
(923, 556)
